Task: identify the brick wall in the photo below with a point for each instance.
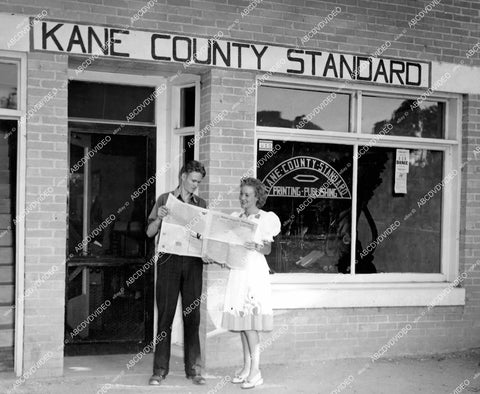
(227, 152)
(444, 34)
(470, 216)
(317, 334)
(46, 195)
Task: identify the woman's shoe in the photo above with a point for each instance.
(257, 380)
(239, 378)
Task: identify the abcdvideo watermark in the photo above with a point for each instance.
(320, 25)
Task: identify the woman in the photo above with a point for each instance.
(248, 306)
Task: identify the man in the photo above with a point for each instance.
(178, 274)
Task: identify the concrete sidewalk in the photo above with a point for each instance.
(109, 374)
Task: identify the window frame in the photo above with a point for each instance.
(20, 115)
(451, 147)
(184, 81)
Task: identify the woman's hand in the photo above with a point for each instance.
(253, 246)
(263, 248)
(250, 245)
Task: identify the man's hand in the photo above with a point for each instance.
(195, 235)
(154, 226)
(208, 260)
(162, 212)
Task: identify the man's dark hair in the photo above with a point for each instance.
(193, 166)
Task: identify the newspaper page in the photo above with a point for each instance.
(222, 236)
(233, 256)
(178, 234)
(225, 239)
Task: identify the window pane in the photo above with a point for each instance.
(187, 107)
(412, 244)
(111, 102)
(400, 117)
(8, 85)
(8, 181)
(115, 221)
(188, 148)
(302, 109)
(309, 188)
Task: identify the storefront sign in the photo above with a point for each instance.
(305, 176)
(157, 46)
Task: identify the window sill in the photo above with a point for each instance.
(330, 279)
(362, 295)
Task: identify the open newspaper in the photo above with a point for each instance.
(189, 230)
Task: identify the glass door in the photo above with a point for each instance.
(107, 244)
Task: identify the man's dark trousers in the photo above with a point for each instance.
(178, 274)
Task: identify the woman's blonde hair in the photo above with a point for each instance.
(259, 187)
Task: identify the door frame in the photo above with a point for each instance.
(168, 137)
(177, 133)
(20, 115)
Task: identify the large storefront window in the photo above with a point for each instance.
(413, 246)
(314, 183)
(309, 187)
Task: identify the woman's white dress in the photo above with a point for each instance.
(248, 297)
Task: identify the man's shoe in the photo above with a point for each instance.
(156, 380)
(197, 379)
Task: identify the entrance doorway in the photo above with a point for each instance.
(109, 282)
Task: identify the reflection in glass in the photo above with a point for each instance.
(414, 245)
(8, 182)
(92, 100)
(8, 85)
(406, 118)
(187, 106)
(111, 223)
(76, 197)
(302, 109)
(309, 188)
(188, 148)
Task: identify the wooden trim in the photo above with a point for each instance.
(107, 128)
(379, 295)
(20, 225)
